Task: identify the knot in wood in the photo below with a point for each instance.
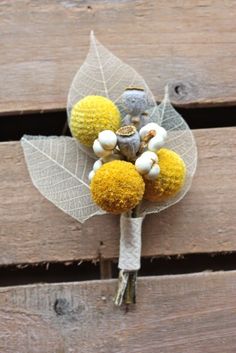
(61, 306)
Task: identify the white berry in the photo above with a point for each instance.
(143, 165)
(150, 155)
(153, 173)
(99, 150)
(107, 139)
(91, 175)
(97, 165)
(161, 131)
(145, 129)
(156, 143)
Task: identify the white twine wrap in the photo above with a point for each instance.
(130, 243)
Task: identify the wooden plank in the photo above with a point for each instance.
(175, 314)
(33, 230)
(189, 44)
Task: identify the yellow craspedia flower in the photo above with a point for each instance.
(92, 115)
(117, 187)
(171, 177)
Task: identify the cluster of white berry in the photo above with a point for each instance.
(104, 145)
(103, 148)
(147, 163)
(152, 138)
(159, 136)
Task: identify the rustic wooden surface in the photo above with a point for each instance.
(189, 44)
(175, 314)
(33, 229)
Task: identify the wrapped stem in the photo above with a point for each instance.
(129, 259)
(130, 243)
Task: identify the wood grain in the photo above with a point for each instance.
(34, 230)
(175, 314)
(189, 44)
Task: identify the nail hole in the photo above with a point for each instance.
(181, 90)
(61, 306)
(178, 89)
(89, 8)
(101, 243)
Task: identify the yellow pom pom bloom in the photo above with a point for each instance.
(117, 187)
(92, 115)
(171, 177)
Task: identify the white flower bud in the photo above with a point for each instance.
(156, 143)
(97, 165)
(143, 165)
(99, 150)
(107, 139)
(161, 134)
(153, 173)
(149, 155)
(91, 175)
(145, 129)
(147, 165)
(161, 131)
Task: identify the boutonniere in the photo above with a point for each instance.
(127, 155)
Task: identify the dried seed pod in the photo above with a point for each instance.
(135, 100)
(128, 141)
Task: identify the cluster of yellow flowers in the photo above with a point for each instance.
(117, 186)
(92, 115)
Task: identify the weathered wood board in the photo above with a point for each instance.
(189, 44)
(34, 230)
(175, 314)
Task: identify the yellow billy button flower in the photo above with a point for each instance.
(171, 178)
(117, 187)
(90, 116)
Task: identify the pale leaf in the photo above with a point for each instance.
(102, 73)
(59, 170)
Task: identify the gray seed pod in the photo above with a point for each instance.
(128, 141)
(135, 101)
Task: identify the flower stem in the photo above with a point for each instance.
(130, 293)
(126, 291)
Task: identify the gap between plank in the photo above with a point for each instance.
(75, 271)
(13, 127)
